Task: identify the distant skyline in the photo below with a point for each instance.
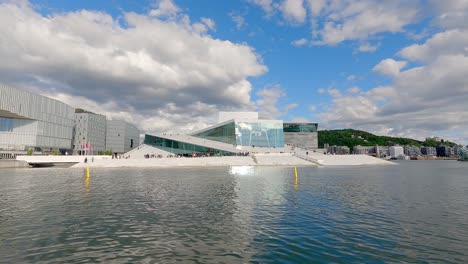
(390, 67)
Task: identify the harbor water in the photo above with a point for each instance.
(416, 212)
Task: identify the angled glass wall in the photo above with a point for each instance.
(464, 153)
(182, 148)
(224, 133)
(300, 127)
(267, 134)
(260, 134)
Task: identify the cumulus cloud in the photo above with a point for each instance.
(450, 14)
(300, 42)
(238, 20)
(335, 21)
(155, 71)
(429, 99)
(164, 8)
(367, 47)
(389, 67)
(294, 11)
(209, 23)
(351, 20)
(354, 90)
(269, 104)
(449, 42)
(268, 6)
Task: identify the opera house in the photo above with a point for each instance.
(238, 133)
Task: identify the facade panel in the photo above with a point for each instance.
(121, 136)
(304, 135)
(225, 133)
(268, 134)
(49, 122)
(182, 148)
(89, 133)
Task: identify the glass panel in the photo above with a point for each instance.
(464, 153)
(300, 127)
(182, 148)
(269, 135)
(23, 126)
(224, 133)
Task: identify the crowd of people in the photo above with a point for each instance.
(192, 155)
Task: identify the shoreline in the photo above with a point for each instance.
(255, 159)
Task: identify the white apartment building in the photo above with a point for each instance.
(396, 151)
(89, 133)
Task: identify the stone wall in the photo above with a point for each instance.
(301, 139)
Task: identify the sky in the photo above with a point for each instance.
(390, 67)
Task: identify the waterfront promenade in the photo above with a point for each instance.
(135, 158)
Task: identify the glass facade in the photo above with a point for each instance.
(224, 133)
(300, 127)
(24, 126)
(181, 148)
(258, 134)
(464, 153)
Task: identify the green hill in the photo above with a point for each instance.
(351, 138)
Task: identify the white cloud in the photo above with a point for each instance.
(389, 67)
(367, 47)
(354, 90)
(316, 6)
(421, 101)
(300, 42)
(151, 69)
(268, 102)
(335, 21)
(239, 20)
(209, 23)
(164, 8)
(267, 5)
(449, 42)
(351, 78)
(334, 92)
(294, 11)
(450, 14)
(350, 20)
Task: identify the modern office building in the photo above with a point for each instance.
(89, 134)
(444, 151)
(238, 132)
(428, 151)
(121, 136)
(33, 122)
(363, 150)
(396, 151)
(304, 135)
(412, 151)
(340, 150)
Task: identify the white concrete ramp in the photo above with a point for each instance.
(340, 160)
(142, 150)
(281, 159)
(219, 145)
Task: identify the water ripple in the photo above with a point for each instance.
(404, 213)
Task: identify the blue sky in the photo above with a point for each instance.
(389, 67)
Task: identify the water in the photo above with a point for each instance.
(416, 212)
